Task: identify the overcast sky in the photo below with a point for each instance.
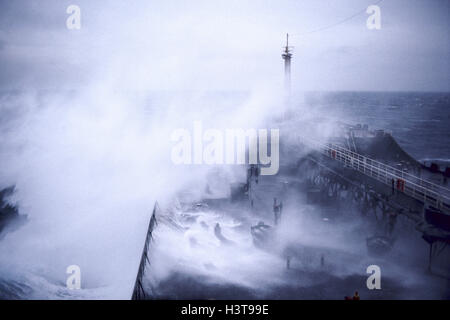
(224, 45)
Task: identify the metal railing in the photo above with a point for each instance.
(409, 184)
(139, 290)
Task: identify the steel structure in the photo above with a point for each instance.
(417, 188)
(287, 55)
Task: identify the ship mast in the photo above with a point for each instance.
(287, 55)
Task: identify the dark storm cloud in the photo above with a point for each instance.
(28, 15)
(410, 52)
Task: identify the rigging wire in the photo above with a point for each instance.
(334, 24)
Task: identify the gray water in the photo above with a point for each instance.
(420, 122)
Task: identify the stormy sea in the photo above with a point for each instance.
(87, 178)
